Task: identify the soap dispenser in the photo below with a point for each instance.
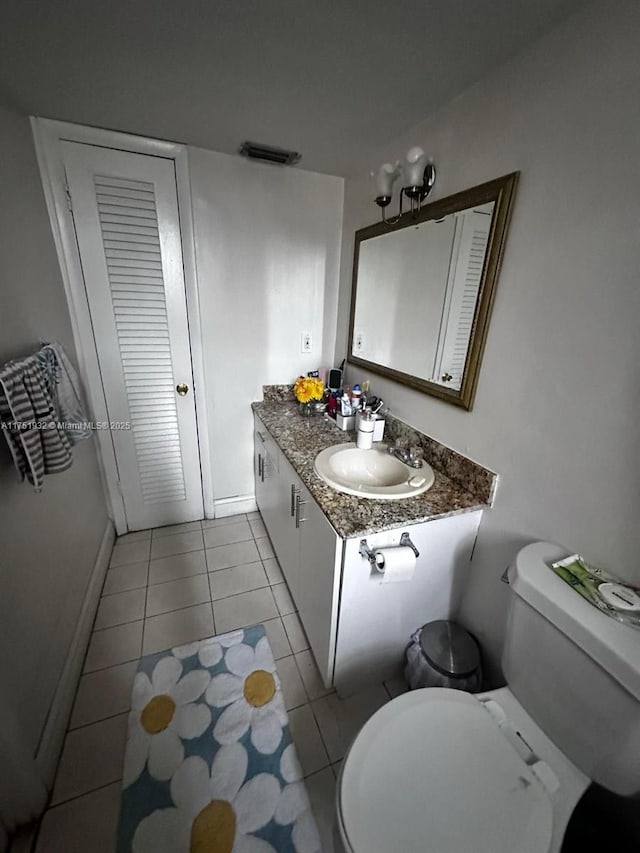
(366, 425)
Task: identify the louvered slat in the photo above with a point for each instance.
(116, 230)
(149, 448)
(126, 183)
(128, 221)
(123, 192)
(147, 242)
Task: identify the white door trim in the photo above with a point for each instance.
(48, 135)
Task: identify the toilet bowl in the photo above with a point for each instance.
(442, 771)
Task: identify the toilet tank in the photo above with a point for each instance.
(575, 670)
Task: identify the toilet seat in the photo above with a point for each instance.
(432, 771)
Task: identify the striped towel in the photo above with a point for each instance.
(64, 390)
(38, 443)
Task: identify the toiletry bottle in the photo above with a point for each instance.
(366, 425)
(356, 396)
(332, 405)
(365, 394)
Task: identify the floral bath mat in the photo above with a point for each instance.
(209, 765)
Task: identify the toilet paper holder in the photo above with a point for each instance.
(367, 553)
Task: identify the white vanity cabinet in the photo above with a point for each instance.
(358, 626)
(308, 548)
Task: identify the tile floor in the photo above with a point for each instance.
(171, 586)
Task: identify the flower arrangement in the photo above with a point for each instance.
(308, 388)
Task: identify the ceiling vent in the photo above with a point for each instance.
(255, 151)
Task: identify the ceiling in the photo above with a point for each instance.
(333, 80)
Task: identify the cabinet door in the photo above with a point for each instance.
(318, 582)
(284, 531)
(259, 454)
(377, 618)
(266, 472)
(269, 507)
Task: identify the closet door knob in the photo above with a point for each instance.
(182, 389)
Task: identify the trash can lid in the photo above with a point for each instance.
(449, 648)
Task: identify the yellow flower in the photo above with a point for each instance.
(308, 388)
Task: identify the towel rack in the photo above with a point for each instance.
(19, 359)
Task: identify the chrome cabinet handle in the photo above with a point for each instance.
(299, 503)
(260, 467)
(294, 494)
(182, 389)
(260, 435)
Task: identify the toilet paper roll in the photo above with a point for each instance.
(395, 564)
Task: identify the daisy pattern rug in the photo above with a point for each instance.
(210, 766)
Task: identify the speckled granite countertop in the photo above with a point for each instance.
(461, 485)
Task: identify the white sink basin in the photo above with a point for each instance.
(371, 473)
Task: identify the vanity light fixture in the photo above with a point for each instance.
(418, 177)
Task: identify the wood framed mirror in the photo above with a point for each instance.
(423, 290)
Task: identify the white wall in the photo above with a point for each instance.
(48, 541)
(402, 276)
(267, 247)
(556, 411)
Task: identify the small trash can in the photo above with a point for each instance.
(443, 654)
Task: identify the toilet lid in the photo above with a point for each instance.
(431, 772)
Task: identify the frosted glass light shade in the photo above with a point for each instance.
(414, 168)
(386, 178)
(414, 154)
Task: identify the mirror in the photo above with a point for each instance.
(423, 290)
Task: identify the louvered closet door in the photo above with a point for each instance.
(470, 245)
(126, 218)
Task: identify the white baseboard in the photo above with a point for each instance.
(235, 505)
(55, 728)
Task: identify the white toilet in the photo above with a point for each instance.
(442, 771)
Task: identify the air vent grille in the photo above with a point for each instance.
(255, 151)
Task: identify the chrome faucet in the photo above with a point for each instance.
(411, 456)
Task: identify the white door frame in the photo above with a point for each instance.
(48, 135)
